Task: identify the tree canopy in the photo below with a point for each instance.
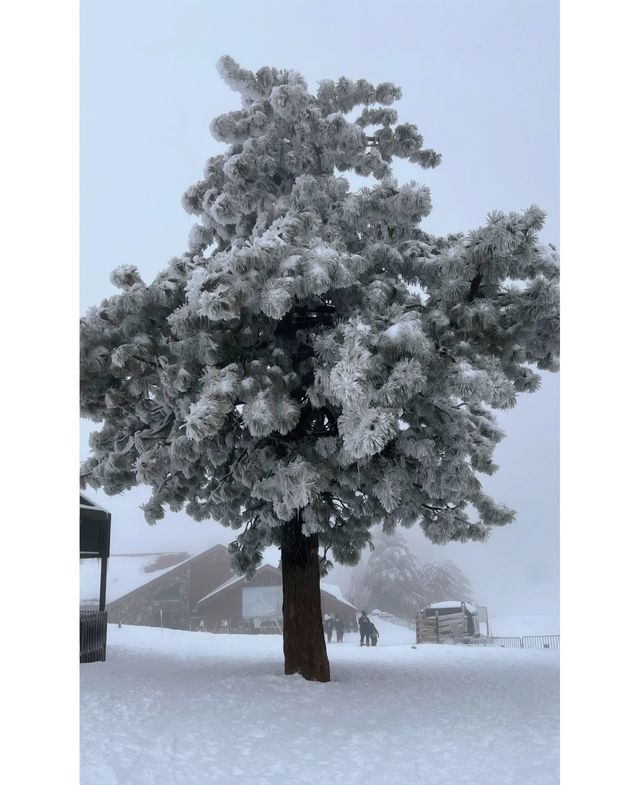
(316, 354)
(393, 582)
(444, 580)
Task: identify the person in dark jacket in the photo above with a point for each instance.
(363, 624)
(339, 624)
(328, 627)
(373, 633)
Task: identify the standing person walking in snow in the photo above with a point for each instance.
(373, 632)
(339, 621)
(363, 624)
(328, 627)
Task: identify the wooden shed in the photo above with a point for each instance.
(448, 621)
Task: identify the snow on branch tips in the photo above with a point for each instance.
(315, 356)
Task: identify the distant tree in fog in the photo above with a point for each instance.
(444, 580)
(391, 579)
(356, 593)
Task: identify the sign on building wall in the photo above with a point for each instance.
(262, 601)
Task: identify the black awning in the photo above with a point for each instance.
(95, 530)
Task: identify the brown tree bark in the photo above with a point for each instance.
(305, 651)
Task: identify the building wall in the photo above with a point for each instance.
(175, 593)
(169, 593)
(207, 571)
(228, 605)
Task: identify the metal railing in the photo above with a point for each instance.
(93, 636)
(551, 642)
(503, 642)
(541, 642)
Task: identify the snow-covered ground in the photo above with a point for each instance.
(183, 708)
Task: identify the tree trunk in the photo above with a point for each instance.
(305, 651)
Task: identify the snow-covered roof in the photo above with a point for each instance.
(234, 580)
(452, 604)
(89, 504)
(329, 588)
(225, 585)
(335, 591)
(125, 573)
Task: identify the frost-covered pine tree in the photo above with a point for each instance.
(392, 580)
(442, 581)
(316, 363)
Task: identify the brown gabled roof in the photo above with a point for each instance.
(143, 576)
(329, 589)
(224, 587)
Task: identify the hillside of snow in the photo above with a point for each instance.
(184, 708)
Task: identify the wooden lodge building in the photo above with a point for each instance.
(184, 592)
(240, 601)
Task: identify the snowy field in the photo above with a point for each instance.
(181, 708)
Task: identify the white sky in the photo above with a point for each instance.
(481, 82)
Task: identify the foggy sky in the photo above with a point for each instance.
(481, 82)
